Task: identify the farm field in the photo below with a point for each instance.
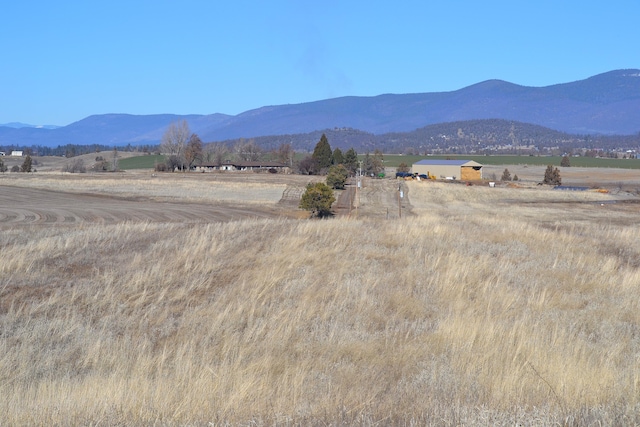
(392, 160)
(207, 299)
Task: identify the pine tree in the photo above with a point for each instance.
(552, 176)
(26, 165)
(337, 177)
(351, 161)
(506, 175)
(322, 153)
(338, 157)
(318, 199)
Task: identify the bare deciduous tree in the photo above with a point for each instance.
(216, 152)
(248, 151)
(175, 139)
(193, 151)
(285, 154)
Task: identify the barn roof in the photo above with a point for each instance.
(437, 162)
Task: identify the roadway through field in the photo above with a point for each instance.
(28, 206)
(376, 198)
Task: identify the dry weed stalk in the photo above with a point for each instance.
(308, 322)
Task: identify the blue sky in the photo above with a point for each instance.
(63, 61)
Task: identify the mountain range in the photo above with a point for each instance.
(605, 104)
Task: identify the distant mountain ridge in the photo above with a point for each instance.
(607, 103)
(18, 125)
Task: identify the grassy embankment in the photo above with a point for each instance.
(524, 315)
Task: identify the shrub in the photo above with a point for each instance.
(403, 167)
(318, 199)
(565, 162)
(160, 167)
(75, 166)
(506, 175)
(15, 168)
(308, 166)
(101, 166)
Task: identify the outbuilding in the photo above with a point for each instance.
(466, 170)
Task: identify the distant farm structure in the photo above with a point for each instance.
(466, 170)
(256, 166)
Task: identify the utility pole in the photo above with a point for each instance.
(400, 200)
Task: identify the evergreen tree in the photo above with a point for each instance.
(3, 167)
(565, 162)
(351, 161)
(552, 176)
(26, 165)
(367, 164)
(338, 157)
(322, 153)
(506, 175)
(318, 199)
(337, 177)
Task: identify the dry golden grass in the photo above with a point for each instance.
(478, 309)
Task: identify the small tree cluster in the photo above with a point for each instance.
(552, 176)
(323, 159)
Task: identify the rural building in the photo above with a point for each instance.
(242, 166)
(466, 170)
(16, 153)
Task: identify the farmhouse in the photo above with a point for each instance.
(242, 166)
(449, 169)
(16, 153)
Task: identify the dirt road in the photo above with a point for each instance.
(375, 198)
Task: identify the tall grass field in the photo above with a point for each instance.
(479, 307)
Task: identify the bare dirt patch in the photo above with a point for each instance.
(37, 199)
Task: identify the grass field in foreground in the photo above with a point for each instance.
(529, 317)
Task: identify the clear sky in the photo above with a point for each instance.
(63, 61)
